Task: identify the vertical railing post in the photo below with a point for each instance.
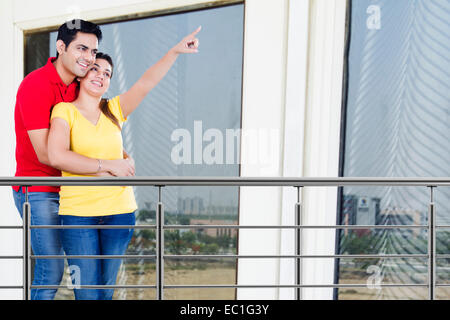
(159, 247)
(298, 245)
(26, 218)
(431, 246)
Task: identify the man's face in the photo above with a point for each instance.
(79, 56)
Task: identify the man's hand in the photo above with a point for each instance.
(103, 174)
(119, 168)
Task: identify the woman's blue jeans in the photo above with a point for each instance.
(44, 211)
(95, 242)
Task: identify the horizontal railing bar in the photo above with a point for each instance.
(206, 256)
(205, 286)
(169, 227)
(211, 256)
(337, 256)
(294, 227)
(443, 226)
(223, 227)
(224, 181)
(94, 227)
(10, 257)
(93, 286)
(125, 256)
(216, 286)
(291, 286)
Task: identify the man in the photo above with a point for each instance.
(76, 45)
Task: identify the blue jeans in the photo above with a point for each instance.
(96, 242)
(44, 211)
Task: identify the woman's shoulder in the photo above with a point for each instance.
(65, 105)
(114, 102)
(65, 110)
(116, 109)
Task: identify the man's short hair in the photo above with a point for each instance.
(68, 31)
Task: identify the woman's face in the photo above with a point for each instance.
(98, 78)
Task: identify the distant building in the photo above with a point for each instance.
(196, 206)
(364, 210)
(360, 210)
(216, 232)
(192, 206)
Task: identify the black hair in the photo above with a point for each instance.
(107, 57)
(104, 102)
(68, 31)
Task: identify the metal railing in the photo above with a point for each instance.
(160, 227)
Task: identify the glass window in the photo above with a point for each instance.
(180, 129)
(397, 124)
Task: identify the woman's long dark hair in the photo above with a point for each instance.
(104, 102)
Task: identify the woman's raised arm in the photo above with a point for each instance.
(131, 99)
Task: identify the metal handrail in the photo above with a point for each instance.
(225, 181)
(298, 183)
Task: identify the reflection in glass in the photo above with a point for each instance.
(397, 125)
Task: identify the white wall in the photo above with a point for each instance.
(265, 42)
(293, 85)
(322, 136)
(294, 131)
(293, 55)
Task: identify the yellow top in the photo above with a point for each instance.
(101, 141)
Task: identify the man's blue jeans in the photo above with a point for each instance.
(44, 211)
(95, 242)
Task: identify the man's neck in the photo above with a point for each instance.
(66, 76)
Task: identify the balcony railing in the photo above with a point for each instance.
(160, 227)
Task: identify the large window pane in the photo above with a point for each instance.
(397, 124)
(199, 99)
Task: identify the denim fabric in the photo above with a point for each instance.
(44, 211)
(95, 242)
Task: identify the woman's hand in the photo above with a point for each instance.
(120, 167)
(188, 44)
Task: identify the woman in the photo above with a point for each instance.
(91, 126)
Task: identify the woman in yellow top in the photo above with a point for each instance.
(91, 126)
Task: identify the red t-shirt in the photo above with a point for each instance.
(38, 93)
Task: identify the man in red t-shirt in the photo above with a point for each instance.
(76, 45)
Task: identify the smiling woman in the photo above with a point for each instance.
(100, 76)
